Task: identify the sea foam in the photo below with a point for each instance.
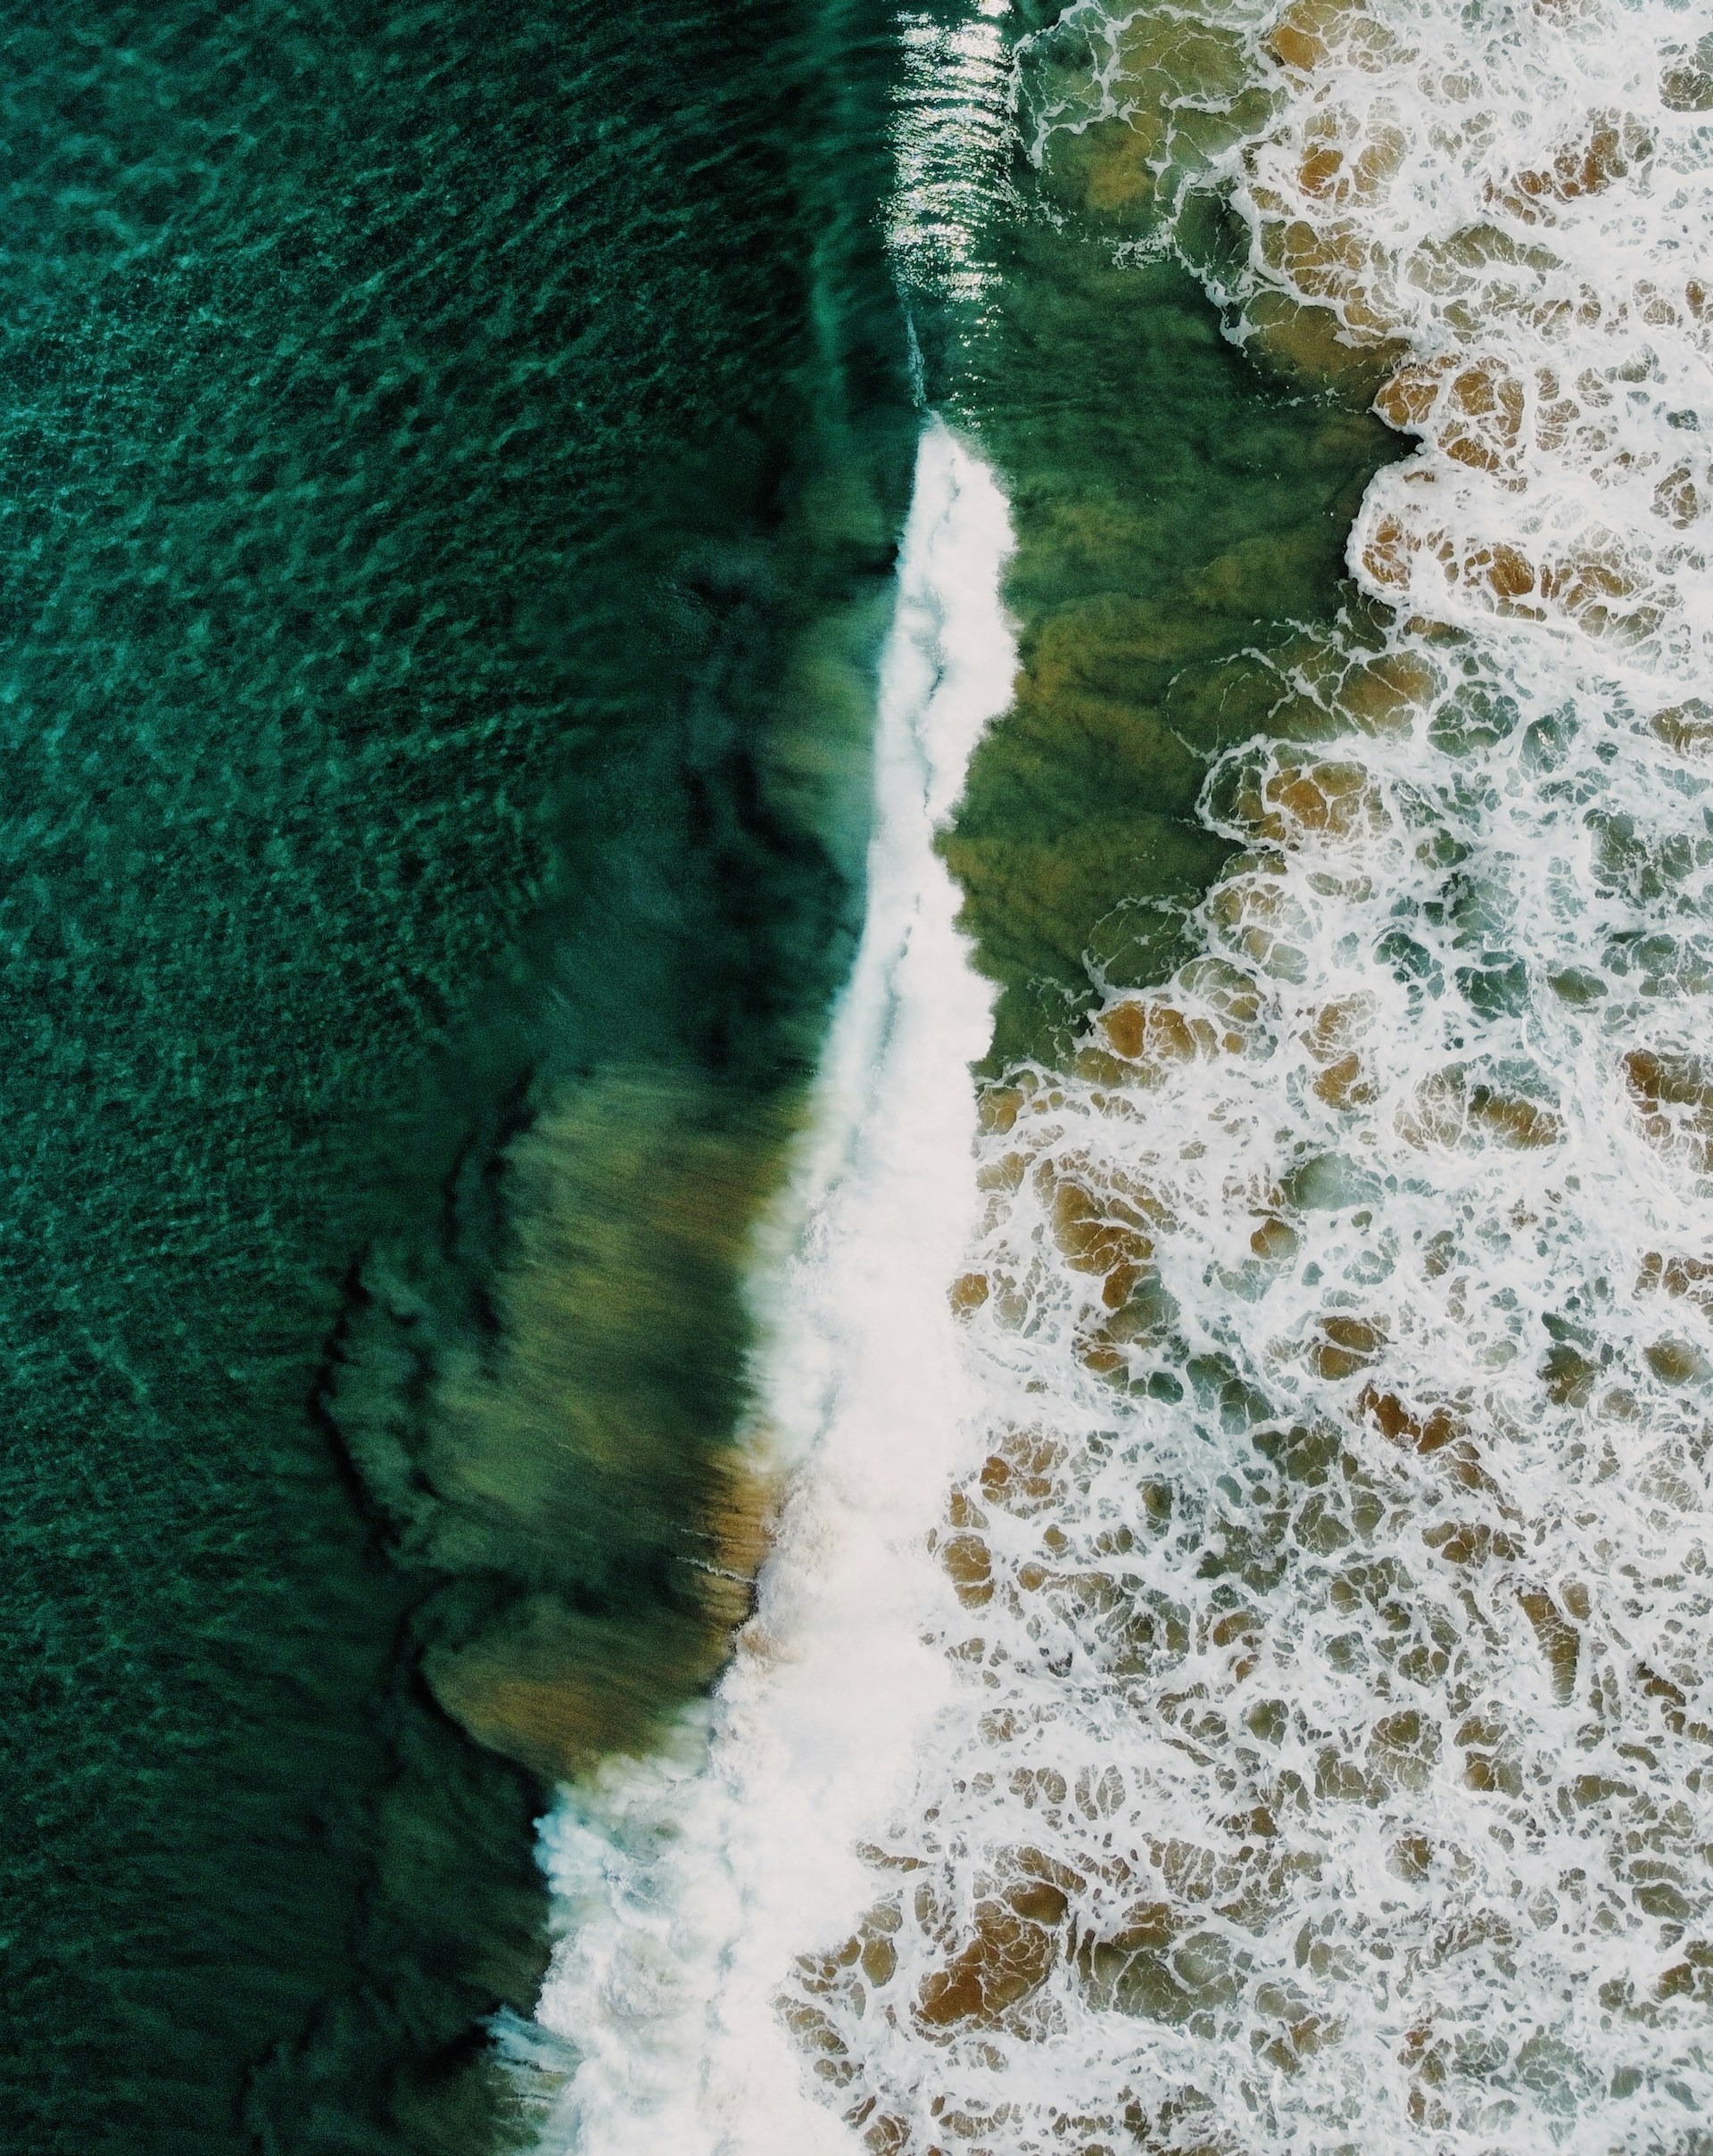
(1325, 1760)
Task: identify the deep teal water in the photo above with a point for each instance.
(428, 435)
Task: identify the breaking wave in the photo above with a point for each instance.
(686, 1883)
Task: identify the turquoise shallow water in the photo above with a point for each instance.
(400, 412)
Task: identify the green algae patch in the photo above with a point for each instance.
(562, 1452)
(1181, 519)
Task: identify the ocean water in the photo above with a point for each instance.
(1233, 1678)
(453, 460)
(857, 888)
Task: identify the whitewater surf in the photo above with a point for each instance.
(687, 1884)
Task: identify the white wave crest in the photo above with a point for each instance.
(685, 1886)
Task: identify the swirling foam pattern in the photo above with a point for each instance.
(1327, 1764)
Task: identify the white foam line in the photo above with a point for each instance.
(690, 1885)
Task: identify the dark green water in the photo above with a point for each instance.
(449, 460)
